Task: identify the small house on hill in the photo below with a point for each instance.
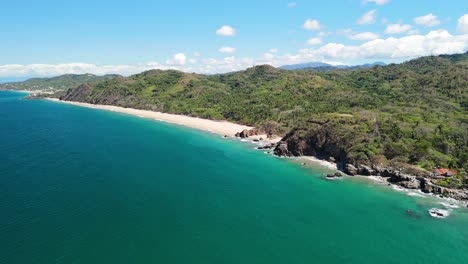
(442, 172)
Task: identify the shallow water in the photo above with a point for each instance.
(80, 185)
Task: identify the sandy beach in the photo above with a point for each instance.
(324, 163)
(218, 127)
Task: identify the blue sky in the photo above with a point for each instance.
(42, 38)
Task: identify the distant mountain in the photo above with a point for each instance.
(315, 64)
(62, 82)
(321, 66)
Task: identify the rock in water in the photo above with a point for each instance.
(335, 175)
(439, 213)
(282, 149)
(267, 146)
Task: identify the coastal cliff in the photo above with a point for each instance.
(399, 119)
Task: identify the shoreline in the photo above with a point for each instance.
(229, 129)
(223, 128)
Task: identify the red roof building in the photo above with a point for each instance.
(444, 172)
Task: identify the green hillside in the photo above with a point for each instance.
(62, 82)
(411, 113)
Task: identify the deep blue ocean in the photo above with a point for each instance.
(79, 185)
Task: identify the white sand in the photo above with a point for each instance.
(219, 127)
(324, 163)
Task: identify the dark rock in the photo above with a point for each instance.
(411, 184)
(248, 133)
(334, 175)
(282, 149)
(365, 170)
(428, 187)
(351, 170)
(267, 146)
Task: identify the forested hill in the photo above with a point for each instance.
(62, 82)
(410, 113)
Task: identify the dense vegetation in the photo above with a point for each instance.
(411, 113)
(62, 82)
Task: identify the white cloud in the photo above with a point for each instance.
(268, 56)
(13, 70)
(463, 24)
(428, 20)
(397, 29)
(314, 41)
(197, 54)
(227, 49)
(434, 43)
(391, 49)
(274, 50)
(292, 4)
(364, 36)
(368, 18)
(177, 59)
(226, 30)
(311, 24)
(357, 36)
(413, 32)
(377, 2)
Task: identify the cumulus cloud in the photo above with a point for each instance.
(377, 2)
(311, 24)
(274, 50)
(226, 30)
(428, 20)
(363, 36)
(357, 36)
(436, 42)
(227, 49)
(19, 70)
(397, 29)
(368, 18)
(314, 41)
(177, 59)
(463, 24)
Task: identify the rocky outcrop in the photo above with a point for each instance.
(248, 133)
(267, 146)
(351, 170)
(282, 149)
(78, 94)
(335, 175)
(365, 170)
(428, 187)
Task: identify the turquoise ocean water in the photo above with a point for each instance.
(80, 185)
